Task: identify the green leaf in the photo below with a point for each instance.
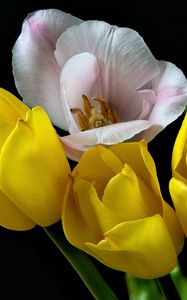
(82, 264)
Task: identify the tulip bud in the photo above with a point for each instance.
(33, 167)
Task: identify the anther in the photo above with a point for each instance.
(91, 117)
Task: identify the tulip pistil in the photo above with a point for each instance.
(92, 117)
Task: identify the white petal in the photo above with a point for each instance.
(171, 90)
(170, 76)
(110, 134)
(78, 78)
(149, 133)
(138, 105)
(73, 150)
(168, 110)
(35, 69)
(126, 62)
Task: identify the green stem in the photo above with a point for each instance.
(82, 265)
(168, 288)
(139, 288)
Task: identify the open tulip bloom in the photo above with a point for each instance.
(99, 82)
(102, 85)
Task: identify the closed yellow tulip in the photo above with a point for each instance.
(113, 210)
(178, 183)
(33, 167)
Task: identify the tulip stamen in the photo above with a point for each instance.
(81, 119)
(91, 117)
(87, 105)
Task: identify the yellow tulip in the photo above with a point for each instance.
(113, 210)
(33, 167)
(178, 183)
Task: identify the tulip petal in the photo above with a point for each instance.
(17, 109)
(171, 90)
(142, 248)
(11, 109)
(73, 151)
(179, 150)
(110, 134)
(133, 199)
(130, 153)
(98, 163)
(144, 167)
(78, 78)
(169, 77)
(136, 106)
(149, 133)
(35, 69)
(11, 217)
(178, 191)
(126, 62)
(89, 217)
(173, 226)
(38, 166)
(162, 207)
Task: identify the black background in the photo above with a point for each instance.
(31, 268)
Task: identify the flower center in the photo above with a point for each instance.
(93, 117)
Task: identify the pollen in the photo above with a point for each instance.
(95, 116)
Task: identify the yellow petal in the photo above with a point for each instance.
(10, 110)
(34, 169)
(178, 191)
(5, 130)
(142, 248)
(137, 156)
(15, 107)
(98, 164)
(130, 153)
(84, 216)
(11, 217)
(173, 226)
(128, 197)
(179, 153)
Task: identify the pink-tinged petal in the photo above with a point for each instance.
(108, 135)
(170, 87)
(35, 69)
(170, 77)
(126, 62)
(171, 90)
(138, 105)
(73, 150)
(78, 78)
(165, 112)
(149, 133)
